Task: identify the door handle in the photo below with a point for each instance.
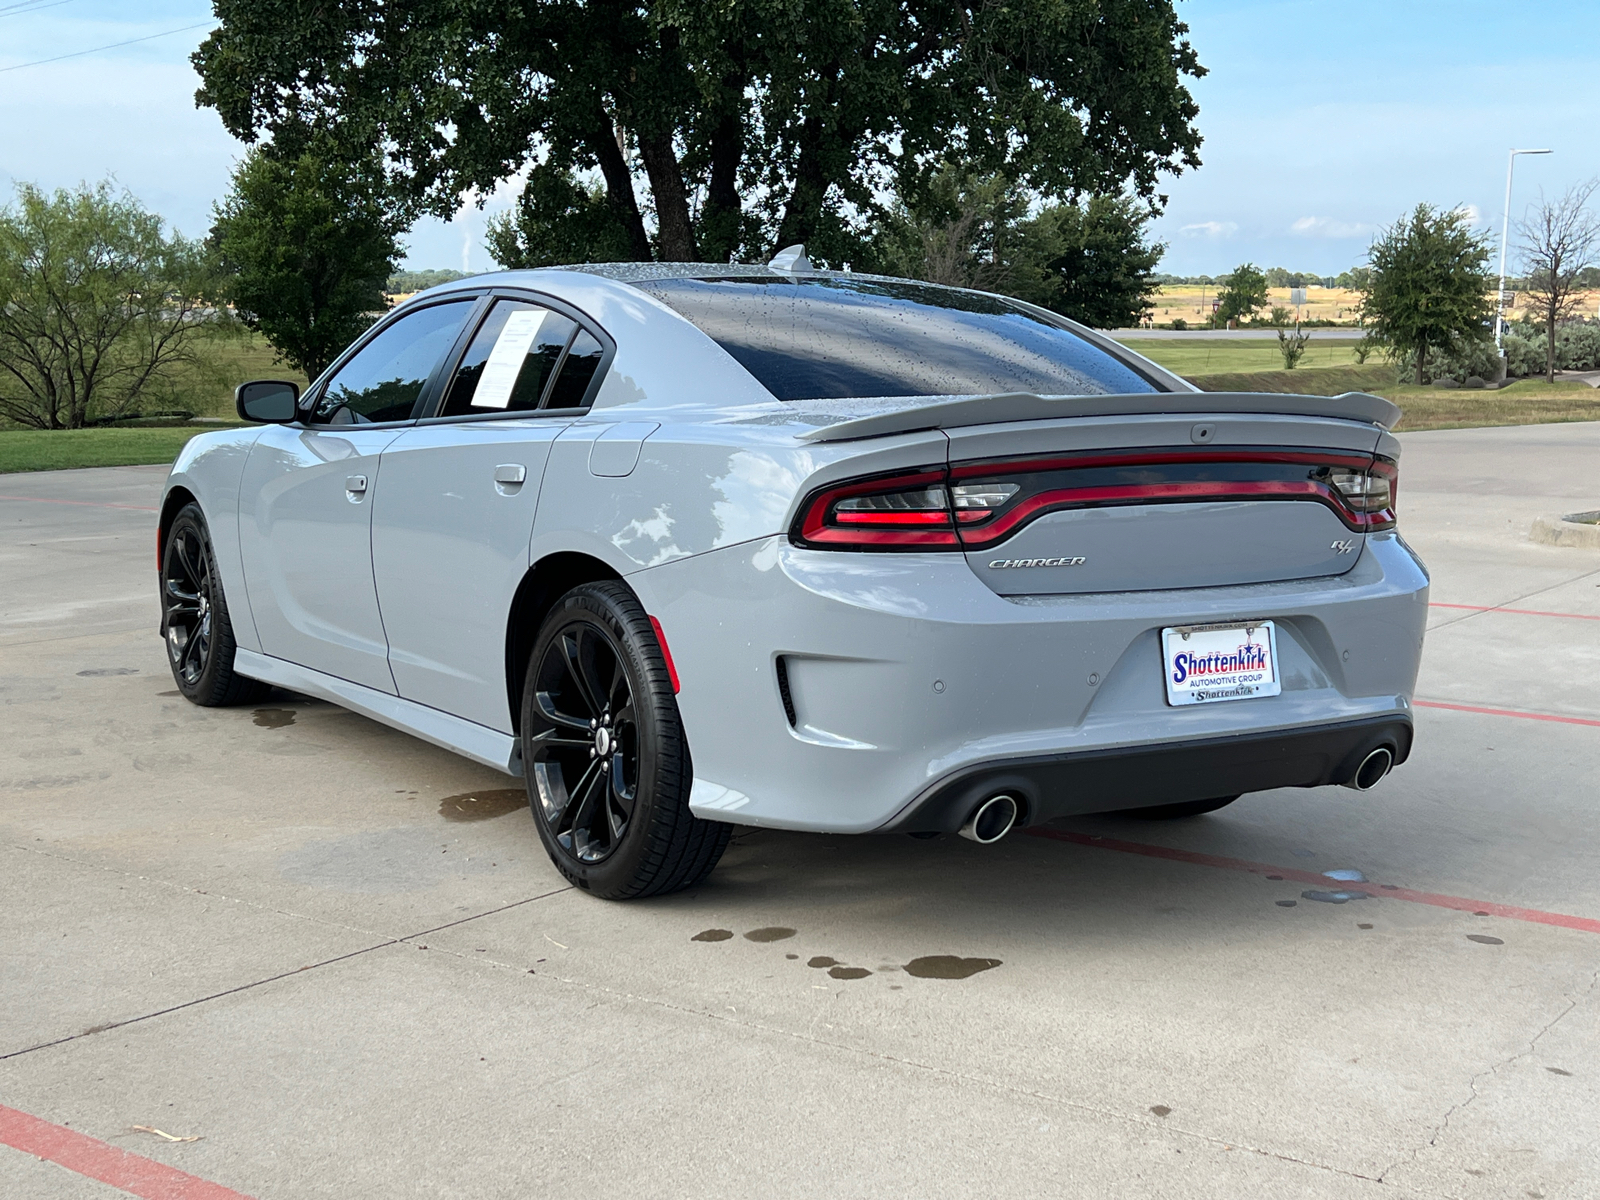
(355, 483)
(510, 473)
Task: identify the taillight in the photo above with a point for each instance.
(976, 505)
(887, 512)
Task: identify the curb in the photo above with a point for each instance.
(1564, 531)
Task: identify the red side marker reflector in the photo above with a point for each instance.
(108, 1164)
(672, 670)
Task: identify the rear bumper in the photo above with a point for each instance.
(1064, 785)
(906, 676)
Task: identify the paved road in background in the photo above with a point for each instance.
(338, 957)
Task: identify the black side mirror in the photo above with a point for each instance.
(267, 401)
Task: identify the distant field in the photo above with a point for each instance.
(1211, 356)
(1192, 302)
(61, 449)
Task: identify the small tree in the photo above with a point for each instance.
(306, 248)
(98, 306)
(1429, 284)
(1293, 347)
(1559, 241)
(1244, 293)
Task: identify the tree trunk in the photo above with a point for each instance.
(719, 219)
(1550, 346)
(602, 143)
(672, 201)
(1422, 357)
(803, 214)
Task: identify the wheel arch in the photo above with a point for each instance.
(552, 577)
(171, 505)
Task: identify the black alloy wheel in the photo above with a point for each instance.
(607, 765)
(194, 617)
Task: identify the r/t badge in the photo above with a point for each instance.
(1345, 547)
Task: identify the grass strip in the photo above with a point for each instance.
(64, 449)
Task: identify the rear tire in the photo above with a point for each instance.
(1174, 812)
(603, 749)
(194, 618)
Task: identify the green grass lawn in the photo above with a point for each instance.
(1216, 356)
(60, 449)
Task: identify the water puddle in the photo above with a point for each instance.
(712, 935)
(273, 718)
(1345, 875)
(948, 966)
(769, 933)
(1483, 939)
(849, 972)
(1160, 1110)
(481, 806)
(1558, 1071)
(98, 672)
(1286, 903)
(822, 960)
(1332, 897)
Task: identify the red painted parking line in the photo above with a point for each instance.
(1521, 612)
(1507, 712)
(1383, 891)
(88, 1156)
(81, 503)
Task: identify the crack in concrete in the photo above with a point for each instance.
(1144, 1124)
(1444, 1124)
(1514, 600)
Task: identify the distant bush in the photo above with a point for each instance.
(402, 283)
(1577, 348)
(1179, 323)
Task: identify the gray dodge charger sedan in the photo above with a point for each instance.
(687, 546)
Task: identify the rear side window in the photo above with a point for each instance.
(513, 360)
(385, 377)
(835, 338)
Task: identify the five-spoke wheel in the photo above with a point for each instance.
(604, 751)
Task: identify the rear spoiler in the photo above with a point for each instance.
(1025, 406)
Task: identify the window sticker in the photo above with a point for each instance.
(505, 360)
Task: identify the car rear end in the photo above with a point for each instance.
(1151, 598)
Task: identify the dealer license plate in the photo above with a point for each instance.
(1208, 663)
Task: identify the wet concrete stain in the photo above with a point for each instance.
(769, 933)
(98, 672)
(173, 692)
(948, 966)
(1483, 939)
(712, 935)
(1286, 903)
(1558, 1071)
(1276, 878)
(849, 972)
(791, 956)
(822, 960)
(481, 806)
(1390, 887)
(273, 718)
(1160, 1110)
(1362, 925)
(1332, 897)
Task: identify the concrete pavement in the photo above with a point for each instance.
(340, 956)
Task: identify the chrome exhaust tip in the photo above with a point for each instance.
(1373, 768)
(991, 820)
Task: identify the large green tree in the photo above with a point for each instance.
(1428, 287)
(686, 130)
(1243, 293)
(100, 308)
(1093, 261)
(306, 246)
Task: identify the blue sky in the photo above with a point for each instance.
(1322, 120)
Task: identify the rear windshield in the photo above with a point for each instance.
(832, 338)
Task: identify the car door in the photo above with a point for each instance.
(305, 500)
(453, 515)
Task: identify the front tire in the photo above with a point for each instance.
(603, 749)
(194, 618)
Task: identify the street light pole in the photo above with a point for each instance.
(1505, 231)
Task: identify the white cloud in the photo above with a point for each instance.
(1210, 229)
(1329, 228)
